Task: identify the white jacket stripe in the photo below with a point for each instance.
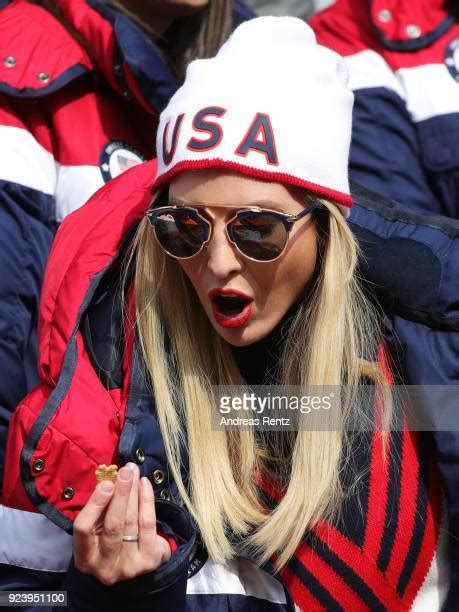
(237, 577)
(428, 90)
(26, 162)
(30, 540)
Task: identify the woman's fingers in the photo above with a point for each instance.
(151, 547)
(131, 526)
(88, 518)
(147, 517)
(110, 540)
(125, 508)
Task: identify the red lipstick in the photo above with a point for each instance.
(231, 308)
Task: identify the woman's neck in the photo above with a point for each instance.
(259, 363)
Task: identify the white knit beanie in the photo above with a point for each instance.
(272, 104)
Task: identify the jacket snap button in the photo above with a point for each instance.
(43, 77)
(9, 61)
(158, 477)
(413, 31)
(68, 492)
(140, 455)
(38, 465)
(165, 494)
(385, 15)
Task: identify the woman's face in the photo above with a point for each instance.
(269, 288)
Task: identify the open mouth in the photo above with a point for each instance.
(231, 308)
(230, 305)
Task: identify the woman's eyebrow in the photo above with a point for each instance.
(178, 202)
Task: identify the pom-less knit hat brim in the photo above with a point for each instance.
(272, 105)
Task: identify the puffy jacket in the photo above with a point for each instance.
(110, 421)
(92, 407)
(68, 124)
(403, 61)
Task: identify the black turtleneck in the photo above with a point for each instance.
(259, 362)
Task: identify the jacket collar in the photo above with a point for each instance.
(409, 25)
(39, 56)
(86, 245)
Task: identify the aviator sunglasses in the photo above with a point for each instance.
(259, 234)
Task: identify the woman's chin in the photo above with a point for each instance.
(239, 336)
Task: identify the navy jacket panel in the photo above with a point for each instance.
(14, 578)
(390, 164)
(411, 263)
(242, 12)
(411, 260)
(417, 164)
(27, 230)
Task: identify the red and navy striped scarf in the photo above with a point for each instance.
(378, 553)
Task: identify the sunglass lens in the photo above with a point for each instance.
(180, 232)
(259, 235)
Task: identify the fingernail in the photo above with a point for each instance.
(132, 466)
(125, 474)
(106, 486)
(145, 483)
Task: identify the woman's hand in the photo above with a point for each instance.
(126, 508)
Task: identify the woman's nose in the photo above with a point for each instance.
(223, 259)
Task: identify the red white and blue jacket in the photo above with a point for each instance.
(389, 550)
(89, 410)
(69, 122)
(403, 59)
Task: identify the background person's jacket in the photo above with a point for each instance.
(69, 122)
(92, 407)
(403, 59)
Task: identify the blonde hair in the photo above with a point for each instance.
(332, 339)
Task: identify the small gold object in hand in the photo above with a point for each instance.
(106, 472)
